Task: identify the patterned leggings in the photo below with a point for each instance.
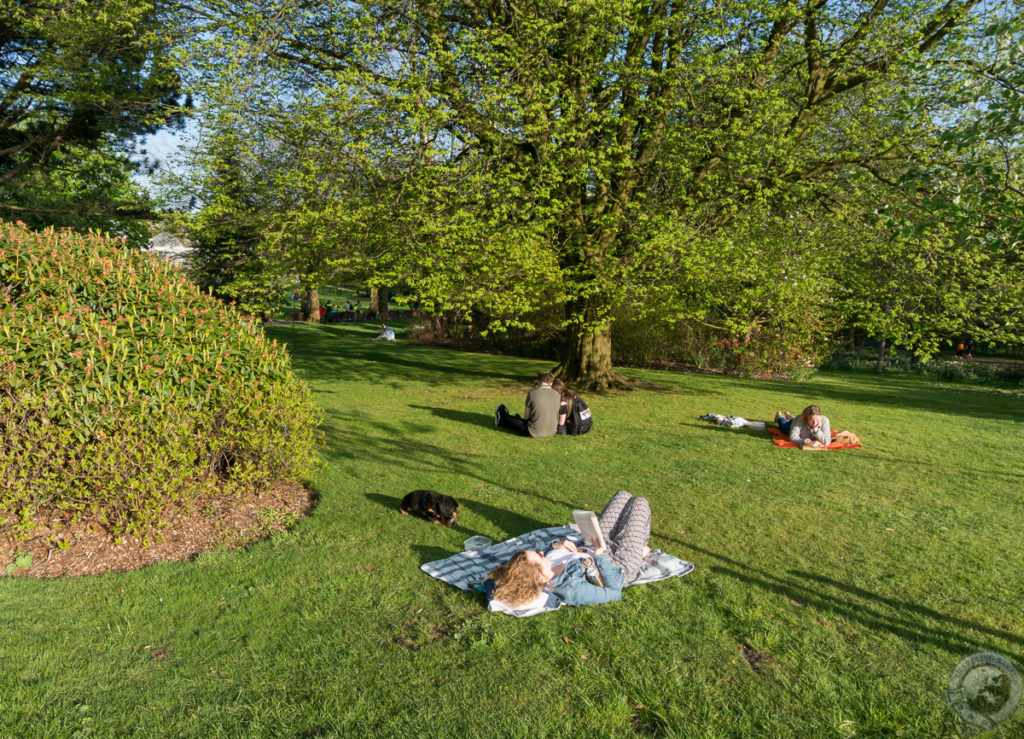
(626, 525)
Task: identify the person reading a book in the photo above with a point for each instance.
(810, 428)
(529, 576)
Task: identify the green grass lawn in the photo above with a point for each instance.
(855, 581)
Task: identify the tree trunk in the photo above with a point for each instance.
(311, 304)
(588, 361)
(379, 303)
(861, 340)
(880, 365)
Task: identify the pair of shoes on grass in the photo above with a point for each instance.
(498, 413)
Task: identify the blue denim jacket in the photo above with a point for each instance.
(572, 588)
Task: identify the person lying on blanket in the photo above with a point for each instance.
(810, 428)
(530, 575)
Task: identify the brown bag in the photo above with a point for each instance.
(846, 438)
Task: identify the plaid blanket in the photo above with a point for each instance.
(467, 570)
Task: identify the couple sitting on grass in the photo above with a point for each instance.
(566, 572)
(551, 408)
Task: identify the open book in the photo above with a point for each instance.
(592, 536)
(590, 528)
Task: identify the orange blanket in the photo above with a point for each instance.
(780, 439)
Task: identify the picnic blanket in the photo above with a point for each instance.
(780, 439)
(468, 570)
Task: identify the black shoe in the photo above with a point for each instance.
(497, 413)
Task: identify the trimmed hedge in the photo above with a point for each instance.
(124, 389)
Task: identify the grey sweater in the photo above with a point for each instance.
(800, 432)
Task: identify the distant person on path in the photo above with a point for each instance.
(542, 406)
(810, 428)
(387, 334)
(960, 349)
(626, 526)
(970, 348)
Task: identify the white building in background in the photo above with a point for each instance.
(170, 248)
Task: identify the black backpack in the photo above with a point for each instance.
(579, 421)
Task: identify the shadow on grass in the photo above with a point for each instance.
(890, 392)
(390, 502)
(473, 419)
(707, 425)
(514, 523)
(400, 444)
(903, 619)
(558, 501)
(393, 503)
(430, 554)
(323, 353)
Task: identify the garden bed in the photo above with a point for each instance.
(62, 549)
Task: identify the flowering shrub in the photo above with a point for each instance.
(794, 349)
(123, 388)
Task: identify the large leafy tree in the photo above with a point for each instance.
(582, 150)
(82, 189)
(79, 80)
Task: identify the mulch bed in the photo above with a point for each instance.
(58, 550)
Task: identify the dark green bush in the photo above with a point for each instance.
(779, 349)
(946, 370)
(124, 389)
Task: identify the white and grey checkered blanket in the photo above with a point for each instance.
(467, 570)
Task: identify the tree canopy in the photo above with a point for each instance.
(78, 82)
(502, 156)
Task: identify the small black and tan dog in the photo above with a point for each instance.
(438, 507)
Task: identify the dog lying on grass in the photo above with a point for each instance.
(438, 507)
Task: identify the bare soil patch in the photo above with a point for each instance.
(759, 661)
(59, 549)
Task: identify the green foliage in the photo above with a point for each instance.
(1009, 374)
(124, 388)
(21, 561)
(83, 189)
(507, 157)
(81, 73)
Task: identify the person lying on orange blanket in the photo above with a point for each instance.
(810, 429)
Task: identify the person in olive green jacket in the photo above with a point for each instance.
(542, 407)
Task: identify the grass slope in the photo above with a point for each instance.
(833, 596)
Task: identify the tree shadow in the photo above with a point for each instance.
(388, 501)
(324, 353)
(512, 523)
(394, 504)
(430, 554)
(558, 501)
(709, 426)
(473, 419)
(401, 444)
(906, 620)
(891, 392)
(904, 605)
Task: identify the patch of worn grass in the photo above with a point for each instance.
(833, 596)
